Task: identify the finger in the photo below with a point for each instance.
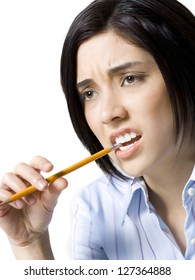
(31, 175)
(50, 196)
(58, 185)
(14, 184)
(41, 163)
(4, 194)
(11, 184)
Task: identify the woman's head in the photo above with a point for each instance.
(165, 29)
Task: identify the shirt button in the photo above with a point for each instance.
(193, 241)
(191, 191)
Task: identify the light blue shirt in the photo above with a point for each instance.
(117, 221)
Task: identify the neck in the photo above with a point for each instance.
(164, 185)
(166, 197)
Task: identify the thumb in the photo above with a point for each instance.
(51, 194)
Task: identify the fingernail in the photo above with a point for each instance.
(42, 183)
(31, 199)
(19, 204)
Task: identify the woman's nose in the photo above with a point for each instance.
(112, 110)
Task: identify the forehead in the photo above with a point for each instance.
(106, 51)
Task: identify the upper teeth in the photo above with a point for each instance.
(125, 138)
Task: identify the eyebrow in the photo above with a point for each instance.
(111, 71)
(124, 66)
(83, 83)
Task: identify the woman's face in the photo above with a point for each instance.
(126, 101)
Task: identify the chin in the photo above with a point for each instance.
(131, 172)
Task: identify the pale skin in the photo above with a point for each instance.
(121, 84)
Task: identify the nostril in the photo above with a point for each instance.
(113, 113)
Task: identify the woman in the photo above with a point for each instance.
(127, 74)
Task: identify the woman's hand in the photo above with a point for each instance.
(26, 221)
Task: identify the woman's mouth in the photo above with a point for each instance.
(127, 141)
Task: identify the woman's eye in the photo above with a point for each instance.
(130, 80)
(87, 95)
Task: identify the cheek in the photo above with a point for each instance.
(159, 117)
(157, 103)
(93, 122)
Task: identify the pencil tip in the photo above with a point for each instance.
(116, 146)
(5, 202)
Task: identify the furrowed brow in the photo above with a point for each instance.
(123, 67)
(111, 71)
(83, 83)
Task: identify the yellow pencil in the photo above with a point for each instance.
(61, 173)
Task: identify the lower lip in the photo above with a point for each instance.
(130, 152)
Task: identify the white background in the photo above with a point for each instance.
(33, 113)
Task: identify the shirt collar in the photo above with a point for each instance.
(192, 177)
(189, 189)
(123, 192)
